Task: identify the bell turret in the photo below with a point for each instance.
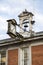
(26, 22)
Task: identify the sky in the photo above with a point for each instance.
(10, 9)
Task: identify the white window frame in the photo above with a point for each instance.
(1, 58)
(23, 59)
(20, 56)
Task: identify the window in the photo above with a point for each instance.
(24, 56)
(25, 25)
(2, 57)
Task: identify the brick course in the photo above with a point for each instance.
(37, 55)
(13, 57)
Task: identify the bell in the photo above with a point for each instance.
(25, 26)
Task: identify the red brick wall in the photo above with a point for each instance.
(13, 57)
(37, 55)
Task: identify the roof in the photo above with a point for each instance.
(17, 40)
(25, 13)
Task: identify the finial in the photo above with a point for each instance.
(25, 10)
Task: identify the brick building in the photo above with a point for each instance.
(23, 48)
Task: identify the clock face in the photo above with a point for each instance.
(12, 28)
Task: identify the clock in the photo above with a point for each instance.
(11, 27)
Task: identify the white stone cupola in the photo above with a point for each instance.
(26, 23)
